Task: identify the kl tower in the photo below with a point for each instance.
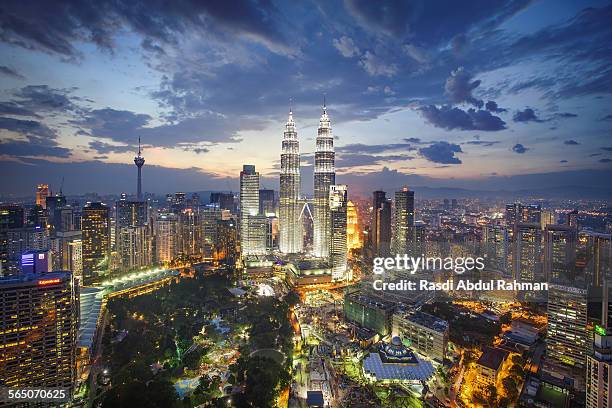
(139, 161)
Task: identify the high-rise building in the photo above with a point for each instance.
(252, 225)
(226, 244)
(599, 362)
(166, 236)
(75, 256)
(381, 224)
(324, 177)
(427, 333)
(53, 204)
(496, 247)
(291, 238)
(42, 192)
(39, 320)
(519, 213)
(567, 337)
(36, 262)
(527, 252)
(404, 222)
(224, 201)
(134, 247)
(338, 200)
(95, 226)
(139, 161)
(560, 255)
(354, 238)
(548, 217)
(267, 201)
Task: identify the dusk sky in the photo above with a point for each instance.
(479, 95)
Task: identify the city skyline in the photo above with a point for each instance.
(467, 101)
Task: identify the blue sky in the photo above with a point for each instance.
(478, 95)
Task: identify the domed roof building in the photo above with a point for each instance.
(395, 362)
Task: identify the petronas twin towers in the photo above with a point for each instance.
(291, 229)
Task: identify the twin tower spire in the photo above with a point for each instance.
(291, 227)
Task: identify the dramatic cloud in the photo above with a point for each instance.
(10, 72)
(441, 152)
(347, 160)
(450, 118)
(519, 148)
(605, 160)
(359, 148)
(491, 106)
(32, 139)
(376, 66)
(485, 143)
(346, 47)
(527, 115)
(459, 87)
(104, 148)
(607, 149)
(16, 109)
(571, 142)
(565, 115)
(55, 27)
(562, 161)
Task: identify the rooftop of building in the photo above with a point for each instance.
(492, 357)
(424, 319)
(396, 362)
(370, 300)
(40, 278)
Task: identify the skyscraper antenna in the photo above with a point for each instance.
(290, 104)
(138, 145)
(324, 104)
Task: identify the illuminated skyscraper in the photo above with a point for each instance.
(324, 177)
(599, 362)
(381, 224)
(139, 161)
(527, 252)
(338, 199)
(95, 225)
(291, 234)
(567, 337)
(560, 254)
(39, 320)
(252, 225)
(166, 237)
(42, 192)
(404, 222)
(353, 231)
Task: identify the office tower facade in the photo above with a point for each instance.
(354, 238)
(53, 204)
(42, 192)
(567, 337)
(134, 247)
(190, 232)
(36, 262)
(226, 243)
(594, 257)
(95, 228)
(223, 201)
(520, 213)
(549, 217)
(404, 222)
(267, 201)
(338, 200)
(166, 237)
(527, 252)
(560, 255)
(324, 177)
(291, 231)
(139, 161)
(381, 224)
(599, 361)
(75, 257)
(496, 246)
(252, 224)
(39, 320)
(18, 240)
(428, 334)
